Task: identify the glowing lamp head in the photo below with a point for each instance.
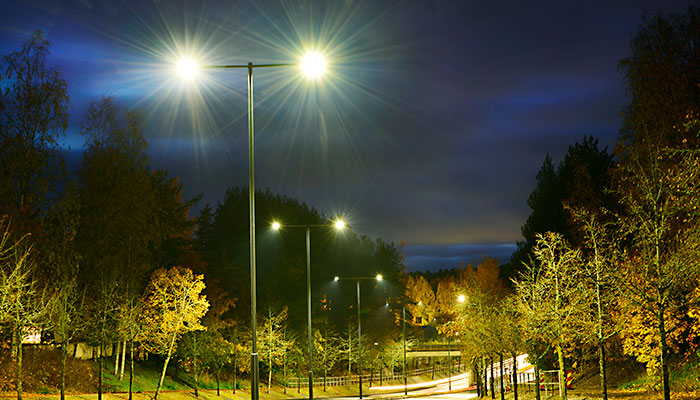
(336, 279)
(379, 277)
(276, 225)
(461, 298)
(313, 64)
(339, 224)
(187, 68)
(420, 303)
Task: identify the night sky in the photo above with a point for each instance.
(428, 128)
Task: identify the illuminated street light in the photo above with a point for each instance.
(313, 65)
(339, 225)
(357, 280)
(187, 68)
(461, 298)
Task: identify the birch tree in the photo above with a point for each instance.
(173, 305)
(272, 341)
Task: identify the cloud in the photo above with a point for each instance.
(434, 257)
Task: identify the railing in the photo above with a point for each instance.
(351, 380)
(549, 382)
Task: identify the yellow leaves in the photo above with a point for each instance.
(640, 334)
(173, 305)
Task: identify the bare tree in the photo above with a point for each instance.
(552, 283)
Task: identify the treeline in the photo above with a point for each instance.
(611, 256)
(107, 255)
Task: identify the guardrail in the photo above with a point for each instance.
(351, 380)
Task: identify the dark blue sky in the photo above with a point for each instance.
(429, 127)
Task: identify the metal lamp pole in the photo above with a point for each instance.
(254, 375)
(405, 379)
(339, 224)
(359, 326)
(449, 362)
(359, 339)
(314, 65)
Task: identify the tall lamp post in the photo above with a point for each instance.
(405, 378)
(357, 280)
(313, 65)
(339, 224)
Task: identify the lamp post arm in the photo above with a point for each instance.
(249, 65)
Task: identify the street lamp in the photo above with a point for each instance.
(377, 277)
(339, 224)
(313, 66)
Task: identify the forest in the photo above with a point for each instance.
(107, 258)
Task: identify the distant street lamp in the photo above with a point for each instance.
(339, 224)
(312, 65)
(378, 277)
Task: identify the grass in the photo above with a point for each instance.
(684, 378)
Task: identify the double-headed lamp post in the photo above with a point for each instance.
(378, 277)
(339, 224)
(312, 65)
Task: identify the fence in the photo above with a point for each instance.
(352, 380)
(549, 382)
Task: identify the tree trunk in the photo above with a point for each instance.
(562, 373)
(477, 377)
(218, 378)
(234, 370)
(121, 372)
(664, 351)
(165, 366)
(64, 355)
(196, 380)
(603, 375)
(19, 363)
(100, 362)
(486, 376)
(269, 378)
(131, 369)
(537, 383)
(493, 392)
(503, 393)
(515, 377)
(116, 357)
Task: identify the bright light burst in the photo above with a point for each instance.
(313, 64)
(305, 131)
(187, 68)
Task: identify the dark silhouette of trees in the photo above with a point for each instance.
(583, 179)
(661, 77)
(33, 115)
